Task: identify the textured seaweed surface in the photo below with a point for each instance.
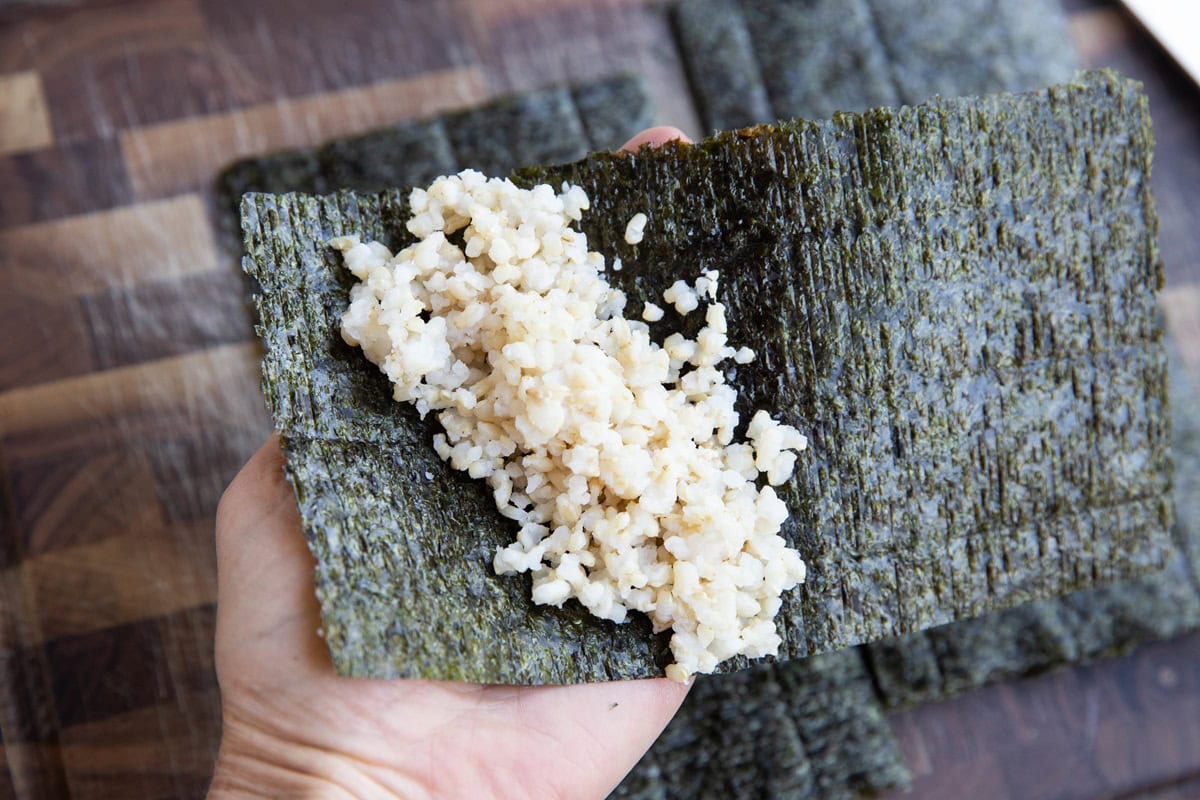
(1081, 626)
(806, 728)
(957, 457)
(755, 61)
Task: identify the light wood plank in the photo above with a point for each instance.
(123, 579)
(185, 154)
(217, 385)
(91, 252)
(1181, 304)
(490, 13)
(24, 120)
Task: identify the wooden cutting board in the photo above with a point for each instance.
(129, 372)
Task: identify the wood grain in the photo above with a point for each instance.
(81, 497)
(217, 385)
(260, 44)
(180, 156)
(568, 41)
(162, 318)
(54, 333)
(1100, 731)
(497, 12)
(168, 238)
(24, 121)
(62, 181)
(107, 67)
(98, 675)
(112, 756)
(122, 579)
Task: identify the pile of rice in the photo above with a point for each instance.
(614, 455)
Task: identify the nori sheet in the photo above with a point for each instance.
(853, 238)
(755, 61)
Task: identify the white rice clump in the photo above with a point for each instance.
(635, 229)
(614, 455)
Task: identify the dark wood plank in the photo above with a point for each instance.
(101, 674)
(59, 182)
(108, 67)
(83, 496)
(167, 318)
(52, 331)
(262, 42)
(1097, 731)
(141, 664)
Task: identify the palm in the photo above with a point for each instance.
(402, 737)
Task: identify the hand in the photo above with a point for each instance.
(292, 728)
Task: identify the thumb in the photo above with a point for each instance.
(267, 611)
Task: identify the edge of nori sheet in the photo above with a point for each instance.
(549, 646)
(754, 61)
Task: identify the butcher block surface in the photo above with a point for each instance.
(129, 369)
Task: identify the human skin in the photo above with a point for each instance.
(293, 728)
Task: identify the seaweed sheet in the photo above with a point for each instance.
(842, 245)
(755, 61)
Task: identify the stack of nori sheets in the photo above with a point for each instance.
(552, 125)
(753, 61)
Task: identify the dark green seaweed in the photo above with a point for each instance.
(1081, 626)
(972, 449)
(806, 728)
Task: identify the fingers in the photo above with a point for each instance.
(655, 137)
